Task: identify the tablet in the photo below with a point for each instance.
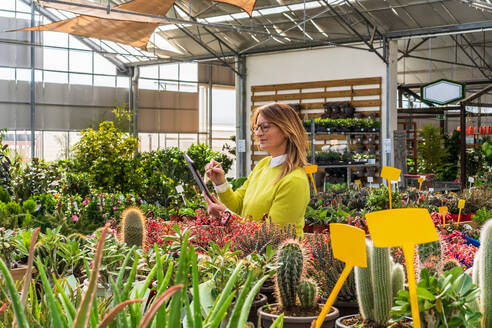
(198, 178)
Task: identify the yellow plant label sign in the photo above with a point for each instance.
(461, 203)
(358, 183)
(348, 244)
(310, 169)
(390, 173)
(403, 228)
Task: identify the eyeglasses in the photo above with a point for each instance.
(264, 127)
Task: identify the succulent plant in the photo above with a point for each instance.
(308, 294)
(133, 230)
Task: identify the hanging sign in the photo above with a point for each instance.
(443, 92)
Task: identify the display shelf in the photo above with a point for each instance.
(344, 133)
(328, 166)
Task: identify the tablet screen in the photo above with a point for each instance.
(197, 177)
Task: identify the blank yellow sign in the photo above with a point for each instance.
(420, 180)
(310, 169)
(403, 228)
(348, 244)
(443, 210)
(390, 173)
(358, 182)
(461, 205)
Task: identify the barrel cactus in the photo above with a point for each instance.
(308, 294)
(377, 284)
(133, 227)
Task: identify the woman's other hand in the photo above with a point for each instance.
(215, 208)
(215, 172)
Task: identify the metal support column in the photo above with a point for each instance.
(33, 85)
(241, 119)
(210, 88)
(133, 98)
(463, 146)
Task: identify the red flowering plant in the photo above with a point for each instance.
(358, 222)
(456, 246)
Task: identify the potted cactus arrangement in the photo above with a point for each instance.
(376, 287)
(297, 297)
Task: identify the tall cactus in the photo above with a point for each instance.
(484, 268)
(374, 285)
(308, 294)
(397, 279)
(289, 273)
(133, 227)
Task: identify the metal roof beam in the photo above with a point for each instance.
(440, 30)
(122, 67)
(408, 51)
(488, 76)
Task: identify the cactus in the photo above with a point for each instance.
(431, 257)
(450, 264)
(308, 294)
(374, 285)
(484, 270)
(133, 227)
(397, 279)
(291, 261)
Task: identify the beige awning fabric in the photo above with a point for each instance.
(130, 32)
(246, 5)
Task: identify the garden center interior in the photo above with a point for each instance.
(99, 100)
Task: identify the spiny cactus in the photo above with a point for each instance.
(374, 285)
(291, 261)
(133, 227)
(397, 279)
(450, 264)
(484, 274)
(431, 257)
(268, 234)
(308, 294)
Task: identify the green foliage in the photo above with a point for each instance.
(5, 164)
(236, 183)
(106, 155)
(444, 301)
(133, 227)
(379, 199)
(431, 149)
(291, 263)
(452, 146)
(4, 195)
(36, 178)
(308, 294)
(29, 205)
(482, 216)
(374, 286)
(487, 151)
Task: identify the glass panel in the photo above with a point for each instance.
(56, 39)
(186, 140)
(7, 73)
(103, 66)
(168, 71)
(23, 74)
(171, 140)
(188, 87)
(104, 81)
(7, 4)
(55, 77)
(149, 71)
(188, 72)
(55, 59)
(74, 138)
(223, 106)
(122, 82)
(76, 44)
(147, 84)
(81, 79)
(80, 61)
(23, 144)
(55, 145)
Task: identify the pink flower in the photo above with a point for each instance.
(114, 208)
(75, 218)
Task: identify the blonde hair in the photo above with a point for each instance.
(287, 120)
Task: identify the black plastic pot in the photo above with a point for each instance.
(347, 308)
(268, 292)
(339, 324)
(298, 322)
(253, 313)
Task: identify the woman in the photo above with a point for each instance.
(278, 185)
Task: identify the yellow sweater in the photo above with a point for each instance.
(285, 202)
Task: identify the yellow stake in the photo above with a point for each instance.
(461, 205)
(443, 210)
(310, 169)
(403, 228)
(348, 244)
(390, 174)
(358, 183)
(420, 180)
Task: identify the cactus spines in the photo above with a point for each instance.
(308, 294)
(374, 285)
(397, 279)
(291, 261)
(133, 227)
(485, 274)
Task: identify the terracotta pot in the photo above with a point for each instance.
(298, 322)
(253, 313)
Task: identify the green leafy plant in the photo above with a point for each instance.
(482, 215)
(446, 300)
(378, 199)
(431, 149)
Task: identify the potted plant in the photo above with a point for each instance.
(296, 295)
(446, 300)
(376, 286)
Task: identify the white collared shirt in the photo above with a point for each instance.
(275, 161)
